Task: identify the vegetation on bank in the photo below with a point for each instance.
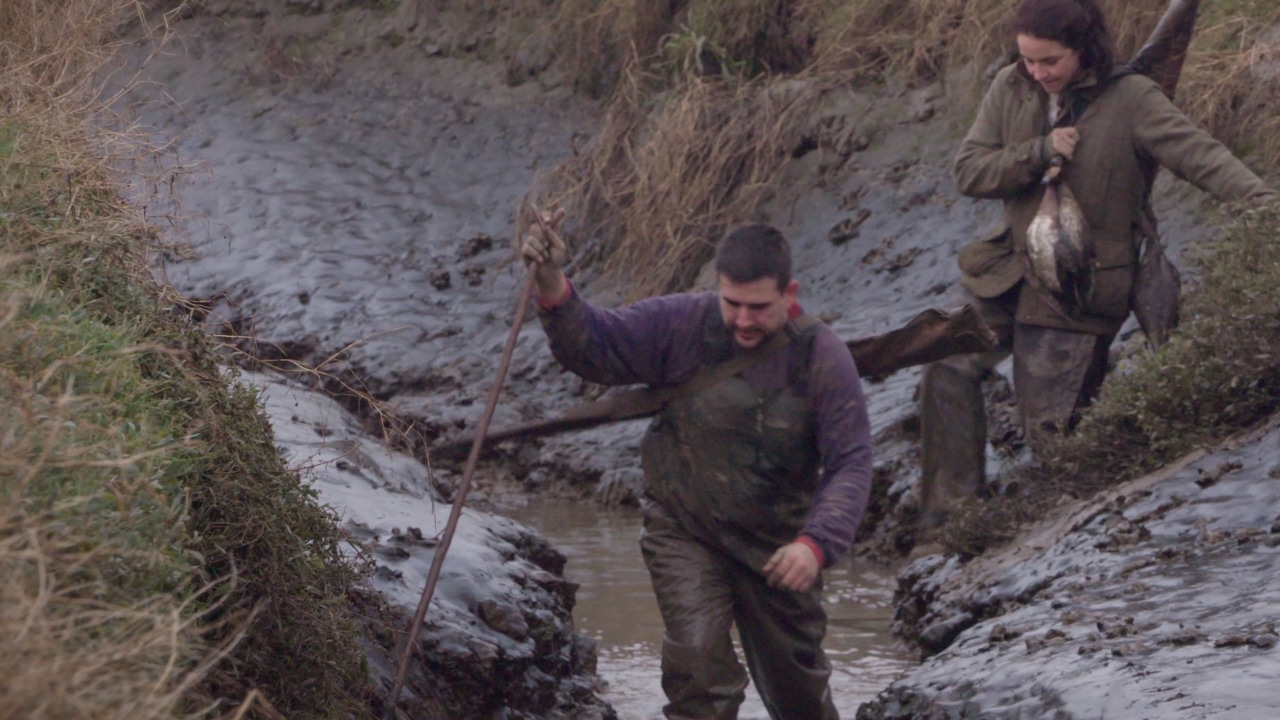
(157, 557)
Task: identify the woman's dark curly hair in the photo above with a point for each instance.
(1078, 24)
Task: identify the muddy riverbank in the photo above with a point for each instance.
(352, 210)
(1159, 598)
(499, 640)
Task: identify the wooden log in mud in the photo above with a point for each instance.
(931, 335)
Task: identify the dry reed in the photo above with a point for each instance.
(670, 173)
(1231, 82)
(157, 559)
(68, 652)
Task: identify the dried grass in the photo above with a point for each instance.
(157, 558)
(1231, 82)
(596, 39)
(69, 653)
(924, 40)
(670, 172)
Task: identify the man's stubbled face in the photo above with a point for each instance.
(757, 309)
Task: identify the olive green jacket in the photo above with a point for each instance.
(1128, 127)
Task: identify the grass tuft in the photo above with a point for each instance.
(671, 171)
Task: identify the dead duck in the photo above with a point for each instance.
(1058, 244)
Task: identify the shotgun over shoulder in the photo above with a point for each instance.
(1162, 56)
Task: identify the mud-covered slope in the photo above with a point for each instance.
(499, 633)
(1158, 599)
(357, 213)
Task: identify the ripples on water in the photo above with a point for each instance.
(616, 606)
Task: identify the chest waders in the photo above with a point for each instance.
(735, 464)
(732, 470)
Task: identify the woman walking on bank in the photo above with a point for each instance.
(1062, 103)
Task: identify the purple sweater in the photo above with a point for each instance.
(659, 342)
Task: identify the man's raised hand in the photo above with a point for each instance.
(545, 252)
(543, 245)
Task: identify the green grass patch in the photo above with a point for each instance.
(144, 473)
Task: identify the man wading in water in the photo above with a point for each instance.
(755, 482)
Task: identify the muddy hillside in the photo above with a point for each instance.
(357, 174)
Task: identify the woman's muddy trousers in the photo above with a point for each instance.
(702, 593)
(1056, 373)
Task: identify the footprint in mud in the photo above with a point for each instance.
(901, 261)
(474, 246)
(850, 200)
(879, 251)
(898, 171)
(847, 229)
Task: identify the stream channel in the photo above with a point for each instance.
(358, 219)
(616, 607)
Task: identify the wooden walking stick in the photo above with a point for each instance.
(433, 576)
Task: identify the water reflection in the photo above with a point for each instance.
(617, 607)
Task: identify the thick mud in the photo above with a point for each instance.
(499, 639)
(1159, 599)
(352, 211)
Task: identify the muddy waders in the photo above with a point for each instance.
(731, 474)
(702, 593)
(1056, 373)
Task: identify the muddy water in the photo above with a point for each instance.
(616, 607)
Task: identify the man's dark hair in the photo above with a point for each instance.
(753, 251)
(1078, 24)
